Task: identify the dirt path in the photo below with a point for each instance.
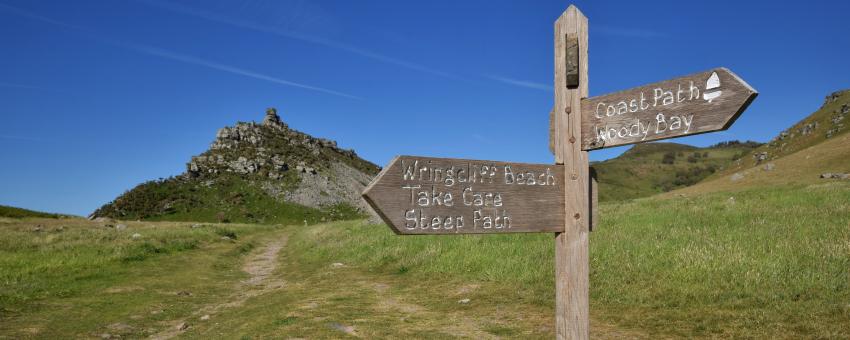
(260, 267)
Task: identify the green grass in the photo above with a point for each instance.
(75, 278)
(768, 263)
(13, 212)
(757, 263)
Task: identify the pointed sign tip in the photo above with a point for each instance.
(738, 79)
(574, 8)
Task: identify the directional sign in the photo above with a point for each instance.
(421, 195)
(698, 103)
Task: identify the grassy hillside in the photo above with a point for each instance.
(800, 168)
(13, 212)
(829, 122)
(230, 199)
(652, 168)
(768, 263)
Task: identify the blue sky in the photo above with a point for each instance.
(98, 96)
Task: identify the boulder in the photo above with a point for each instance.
(760, 157)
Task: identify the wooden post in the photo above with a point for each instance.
(571, 246)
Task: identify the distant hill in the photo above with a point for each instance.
(13, 212)
(652, 168)
(816, 145)
(260, 173)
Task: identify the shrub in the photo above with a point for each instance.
(225, 232)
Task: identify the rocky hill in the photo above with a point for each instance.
(828, 122)
(816, 150)
(253, 172)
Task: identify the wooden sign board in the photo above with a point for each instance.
(698, 103)
(422, 195)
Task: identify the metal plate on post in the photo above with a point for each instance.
(572, 61)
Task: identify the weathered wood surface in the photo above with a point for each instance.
(422, 195)
(571, 246)
(698, 103)
(594, 200)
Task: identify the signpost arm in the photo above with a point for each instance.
(571, 246)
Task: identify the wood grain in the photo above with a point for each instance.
(571, 246)
(517, 197)
(594, 200)
(671, 108)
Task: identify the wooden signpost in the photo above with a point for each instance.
(422, 195)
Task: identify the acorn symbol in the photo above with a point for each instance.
(712, 83)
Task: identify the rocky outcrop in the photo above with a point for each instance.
(275, 157)
(285, 164)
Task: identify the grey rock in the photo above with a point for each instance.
(829, 175)
(760, 156)
(736, 177)
(769, 167)
(120, 226)
(808, 128)
(136, 236)
(182, 326)
(272, 119)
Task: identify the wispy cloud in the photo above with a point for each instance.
(521, 83)
(628, 32)
(226, 68)
(163, 53)
(20, 138)
(20, 86)
(177, 8)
